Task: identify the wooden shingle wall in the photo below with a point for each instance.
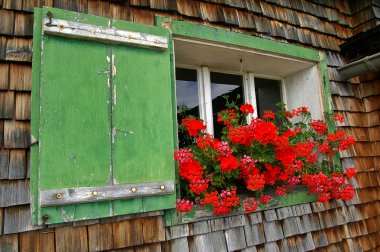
(334, 226)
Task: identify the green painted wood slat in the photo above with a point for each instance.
(92, 120)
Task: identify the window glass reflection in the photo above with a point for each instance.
(187, 97)
(268, 94)
(221, 85)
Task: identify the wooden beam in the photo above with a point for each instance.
(66, 196)
(77, 30)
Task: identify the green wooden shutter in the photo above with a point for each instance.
(102, 118)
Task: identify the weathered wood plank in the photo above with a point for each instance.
(214, 241)
(4, 163)
(18, 219)
(200, 227)
(16, 134)
(12, 4)
(23, 106)
(178, 231)
(98, 33)
(8, 21)
(3, 47)
(273, 231)
(37, 241)
(1, 221)
(17, 164)
(23, 24)
(9, 243)
(153, 229)
(71, 239)
(235, 238)
(100, 237)
(99, 8)
(127, 233)
(284, 212)
(153, 247)
(258, 236)
(28, 5)
(270, 215)
(78, 6)
(19, 49)
(301, 209)
(20, 77)
(289, 226)
(4, 75)
(14, 192)
(6, 104)
(119, 10)
(66, 196)
(179, 244)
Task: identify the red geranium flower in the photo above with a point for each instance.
(247, 109)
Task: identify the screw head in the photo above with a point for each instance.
(134, 189)
(162, 187)
(59, 196)
(94, 193)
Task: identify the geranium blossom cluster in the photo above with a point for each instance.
(272, 153)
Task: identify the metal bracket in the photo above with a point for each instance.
(50, 15)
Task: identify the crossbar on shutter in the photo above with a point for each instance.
(68, 196)
(77, 30)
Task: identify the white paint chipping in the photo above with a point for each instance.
(78, 30)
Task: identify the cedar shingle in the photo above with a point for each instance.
(12, 4)
(3, 47)
(188, 8)
(214, 241)
(16, 134)
(290, 227)
(255, 218)
(100, 237)
(180, 244)
(200, 227)
(36, 241)
(28, 5)
(119, 11)
(301, 209)
(236, 221)
(284, 212)
(17, 164)
(98, 8)
(9, 243)
(20, 77)
(273, 231)
(177, 231)
(6, 104)
(23, 106)
(1, 221)
(78, 6)
(14, 192)
(307, 223)
(153, 229)
(219, 224)
(271, 246)
(305, 242)
(156, 247)
(23, 24)
(258, 236)
(270, 215)
(127, 233)
(4, 75)
(18, 219)
(71, 239)
(4, 163)
(235, 238)
(320, 239)
(19, 49)
(7, 18)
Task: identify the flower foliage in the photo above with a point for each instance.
(279, 151)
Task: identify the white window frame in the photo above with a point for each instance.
(205, 97)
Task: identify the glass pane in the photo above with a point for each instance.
(187, 96)
(268, 93)
(224, 84)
